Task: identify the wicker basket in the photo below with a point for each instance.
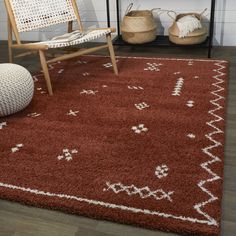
(196, 37)
(139, 27)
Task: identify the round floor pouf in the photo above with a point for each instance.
(16, 88)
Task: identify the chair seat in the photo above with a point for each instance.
(89, 36)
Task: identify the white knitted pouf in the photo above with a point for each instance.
(16, 88)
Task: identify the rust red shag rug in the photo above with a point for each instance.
(144, 148)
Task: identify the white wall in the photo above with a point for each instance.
(93, 13)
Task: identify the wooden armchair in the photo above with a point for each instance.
(28, 15)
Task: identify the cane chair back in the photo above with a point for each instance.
(36, 14)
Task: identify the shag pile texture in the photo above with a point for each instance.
(143, 148)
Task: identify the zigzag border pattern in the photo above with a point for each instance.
(208, 150)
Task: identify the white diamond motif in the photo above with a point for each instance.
(161, 171)
(139, 129)
(67, 154)
(144, 192)
(153, 66)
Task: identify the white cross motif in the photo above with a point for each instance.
(3, 124)
(108, 65)
(190, 104)
(177, 73)
(34, 115)
(139, 129)
(17, 148)
(89, 92)
(153, 66)
(51, 66)
(81, 62)
(178, 87)
(60, 71)
(40, 89)
(72, 113)
(161, 171)
(191, 136)
(190, 63)
(141, 106)
(85, 74)
(67, 154)
(35, 79)
(135, 87)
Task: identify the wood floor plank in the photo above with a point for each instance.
(26, 225)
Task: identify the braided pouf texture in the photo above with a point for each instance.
(16, 88)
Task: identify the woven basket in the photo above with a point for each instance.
(196, 37)
(139, 27)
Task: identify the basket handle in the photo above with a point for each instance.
(130, 6)
(202, 13)
(161, 11)
(155, 9)
(169, 14)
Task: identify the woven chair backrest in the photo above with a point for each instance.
(35, 14)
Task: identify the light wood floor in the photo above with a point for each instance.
(19, 220)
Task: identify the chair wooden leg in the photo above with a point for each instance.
(112, 53)
(45, 71)
(10, 55)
